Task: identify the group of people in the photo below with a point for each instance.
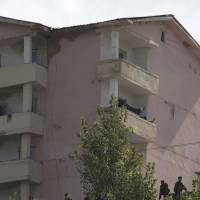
(164, 190)
(178, 188)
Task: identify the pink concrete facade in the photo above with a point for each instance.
(73, 91)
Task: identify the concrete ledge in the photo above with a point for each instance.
(144, 131)
(20, 123)
(143, 80)
(19, 170)
(25, 73)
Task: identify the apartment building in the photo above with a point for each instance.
(50, 78)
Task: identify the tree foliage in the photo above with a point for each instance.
(109, 165)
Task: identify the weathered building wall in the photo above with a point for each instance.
(73, 92)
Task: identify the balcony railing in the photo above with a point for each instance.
(19, 123)
(19, 170)
(25, 73)
(144, 131)
(140, 79)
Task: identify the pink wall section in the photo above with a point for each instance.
(73, 92)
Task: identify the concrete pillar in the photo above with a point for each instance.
(109, 50)
(26, 140)
(109, 45)
(27, 49)
(27, 107)
(113, 88)
(113, 83)
(25, 146)
(24, 190)
(108, 88)
(27, 97)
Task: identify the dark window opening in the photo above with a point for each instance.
(34, 104)
(163, 36)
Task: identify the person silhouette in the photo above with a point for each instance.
(67, 197)
(178, 188)
(164, 190)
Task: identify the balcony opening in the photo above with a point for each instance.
(134, 102)
(12, 51)
(9, 148)
(133, 49)
(10, 191)
(39, 54)
(10, 100)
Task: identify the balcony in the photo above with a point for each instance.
(20, 123)
(138, 79)
(25, 73)
(144, 131)
(19, 170)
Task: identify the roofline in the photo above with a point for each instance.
(121, 21)
(168, 18)
(24, 23)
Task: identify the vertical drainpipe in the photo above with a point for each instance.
(27, 107)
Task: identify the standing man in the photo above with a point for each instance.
(164, 190)
(67, 197)
(178, 188)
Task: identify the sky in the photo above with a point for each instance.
(63, 13)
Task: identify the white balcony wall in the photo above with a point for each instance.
(9, 148)
(132, 99)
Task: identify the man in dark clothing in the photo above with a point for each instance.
(178, 188)
(164, 190)
(67, 197)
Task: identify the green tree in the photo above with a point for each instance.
(109, 165)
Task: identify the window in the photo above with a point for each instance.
(122, 54)
(32, 152)
(162, 36)
(34, 104)
(36, 56)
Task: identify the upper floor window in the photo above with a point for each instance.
(162, 38)
(36, 56)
